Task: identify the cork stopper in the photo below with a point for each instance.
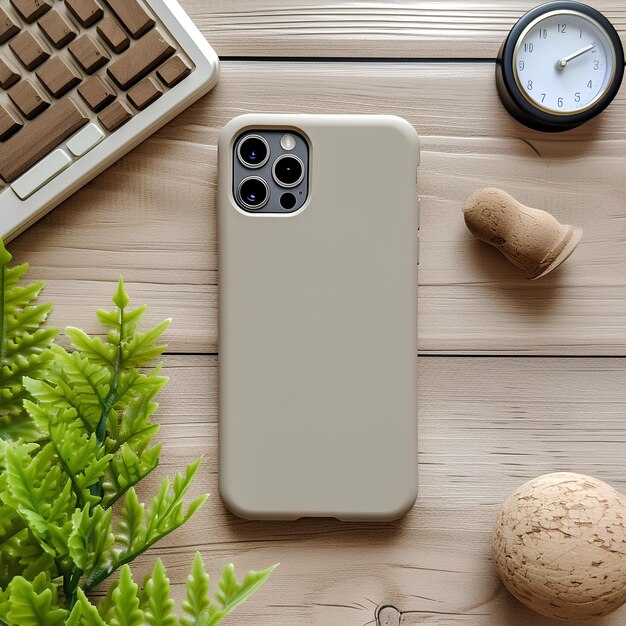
(531, 239)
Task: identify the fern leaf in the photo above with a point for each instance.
(231, 593)
(165, 514)
(84, 613)
(23, 495)
(90, 528)
(142, 348)
(30, 607)
(126, 611)
(197, 601)
(139, 406)
(91, 347)
(80, 456)
(121, 299)
(132, 531)
(76, 382)
(160, 607)
(21, 554)
(127, 469)
(112, 320)
(39, 491)
(24, 346)
(102, 541)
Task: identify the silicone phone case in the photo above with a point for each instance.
(318, 328)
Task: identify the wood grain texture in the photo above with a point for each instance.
(366, 29)
(151, 217)
(486, 425)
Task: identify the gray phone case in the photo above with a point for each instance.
(318, 328)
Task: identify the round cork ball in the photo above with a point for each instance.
(559, 546)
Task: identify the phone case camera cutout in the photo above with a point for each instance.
(271, 171)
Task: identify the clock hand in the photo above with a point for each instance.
(562, 63)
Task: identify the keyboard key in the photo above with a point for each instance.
(30, 10)
(9, 123)
(28, 99)
(29, 50)
(147, 54)
(115, 116)
(143, 94)
(88, 53)
(113, 35)
(96, 93)
(8, 28)
(58, 77)
(39, 138)
(87, 12)
(8, 74)
(84, 140)
(173, 71)
(41, 173)
(57, 29)
(132, 15)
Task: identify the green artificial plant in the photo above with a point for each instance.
(76, 438)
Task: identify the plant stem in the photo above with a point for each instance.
(113, 499)
(109, 403)
(111, 398)
(101, 575)
(70, 586)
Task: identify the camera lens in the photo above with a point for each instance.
(288, 201)
(253, 193)
(253, 151)
(288, 171)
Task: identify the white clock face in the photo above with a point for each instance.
(564, 62)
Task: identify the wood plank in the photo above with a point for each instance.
(367, 29)
(486, 425)
(151, 217)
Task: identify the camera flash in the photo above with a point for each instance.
(288, 142)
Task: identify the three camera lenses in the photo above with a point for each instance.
(254, 193)
(288, 171)
(270, 171)
(253, 151)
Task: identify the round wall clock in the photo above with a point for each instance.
(561, 65)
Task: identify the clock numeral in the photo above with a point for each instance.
(581, 33)
(543, 97)
(562, 28)
(529, 86)
(560, 102)
(596, 65)
(577, 96)
(590, 84)
(543, 33)
(528, 47)
(521, 65)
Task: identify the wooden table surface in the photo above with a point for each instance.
(517, 378)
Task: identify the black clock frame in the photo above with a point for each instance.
(515, 101)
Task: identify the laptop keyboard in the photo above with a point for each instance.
(71, 73)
